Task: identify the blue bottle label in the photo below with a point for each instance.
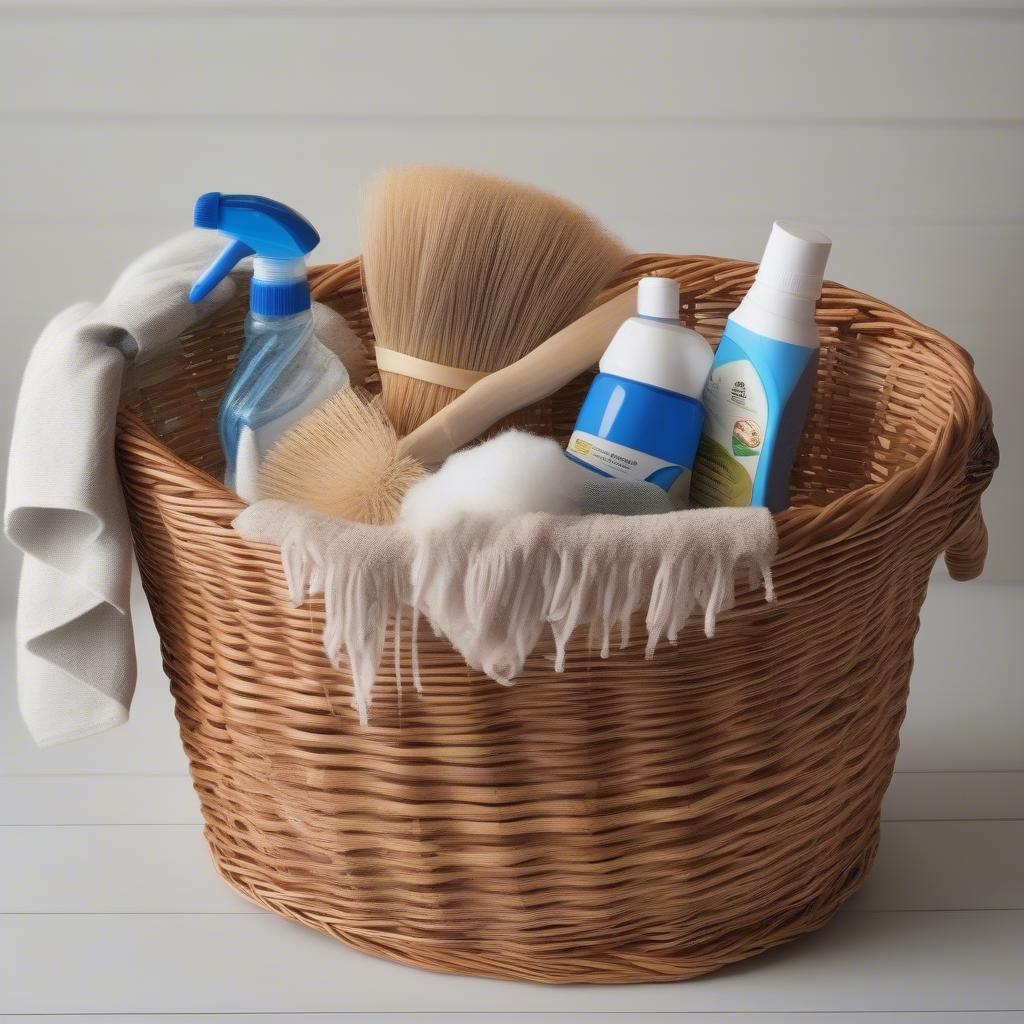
(635, 431)
(732, 442)
(624, 463)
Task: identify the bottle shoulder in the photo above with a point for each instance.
(663, 354)
(262, 323)
(793, 327)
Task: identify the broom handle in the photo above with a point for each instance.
(540, 373)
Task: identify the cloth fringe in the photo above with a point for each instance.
(491, 586)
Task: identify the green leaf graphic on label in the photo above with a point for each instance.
(738, 448)
(718, 479)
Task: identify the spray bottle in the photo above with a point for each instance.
(283, 372)
(759, 389)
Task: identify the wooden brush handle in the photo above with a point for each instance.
(550, 366)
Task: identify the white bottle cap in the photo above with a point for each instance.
(794, 260)
(658, 297)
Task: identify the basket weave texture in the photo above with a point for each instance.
(626, 820)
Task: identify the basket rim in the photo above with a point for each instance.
(800, 527)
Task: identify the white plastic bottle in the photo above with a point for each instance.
(641, 419)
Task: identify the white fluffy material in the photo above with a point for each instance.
(493, 585)
(511, 474)
(491, 552)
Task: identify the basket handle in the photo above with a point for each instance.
(968, 544)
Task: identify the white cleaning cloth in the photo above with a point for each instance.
(65, 509)
(492, 584)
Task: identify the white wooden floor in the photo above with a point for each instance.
(110, 908)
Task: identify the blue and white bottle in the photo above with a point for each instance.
(642, 418)
(760, 386)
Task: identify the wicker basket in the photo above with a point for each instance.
(627, 820)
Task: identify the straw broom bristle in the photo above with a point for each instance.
(342, 460)
(472, 271)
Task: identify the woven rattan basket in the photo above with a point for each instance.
(627, 820)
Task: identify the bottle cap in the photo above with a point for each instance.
(658, 297)
(794, 260)
(275, 234)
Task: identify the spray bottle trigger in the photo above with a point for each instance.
(219, 269)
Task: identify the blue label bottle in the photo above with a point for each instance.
(642, 418)
(759, 389)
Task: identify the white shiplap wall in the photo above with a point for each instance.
(686, 127)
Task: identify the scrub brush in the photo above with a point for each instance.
(342, 460)
(465, 273)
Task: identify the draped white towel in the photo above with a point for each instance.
(64, 507)
(492, 585)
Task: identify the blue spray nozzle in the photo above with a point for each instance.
(207, 211)
(258, 227)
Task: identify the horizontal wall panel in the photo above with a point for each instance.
(507, 64)
(963, 268)
(116, 869)
(946, 865)
(593, 1017)
(87, 799)
(966, 680)
(955, 796)
(103, 170)
(583, 7)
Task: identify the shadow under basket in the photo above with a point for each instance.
(623, 821)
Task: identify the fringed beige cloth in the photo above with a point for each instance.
(492, 586)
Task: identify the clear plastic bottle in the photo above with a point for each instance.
(283, 372)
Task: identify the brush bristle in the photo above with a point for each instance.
(473, 271)
(342, 460)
